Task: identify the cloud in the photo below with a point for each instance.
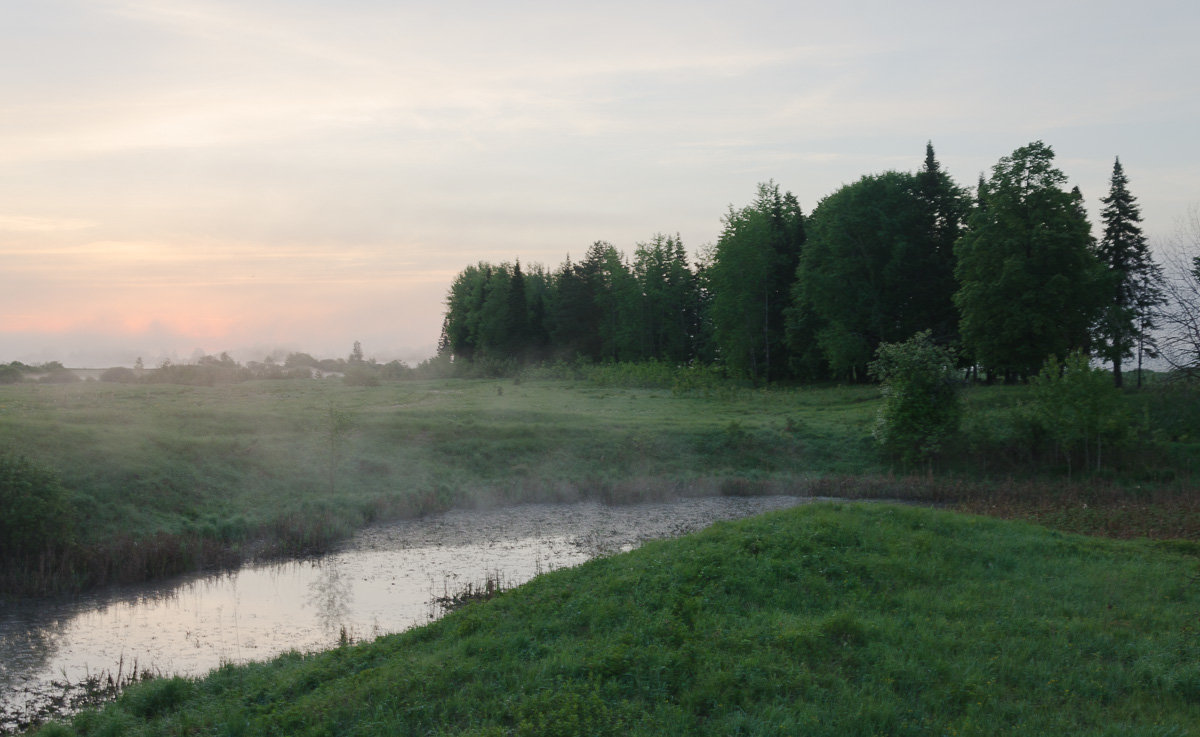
(29, 224)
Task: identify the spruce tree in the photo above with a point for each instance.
(1135, 280)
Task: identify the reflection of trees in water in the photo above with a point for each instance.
(330, 594)
(26, 650)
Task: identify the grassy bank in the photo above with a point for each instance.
(164, 478)
(171, 477)
(822, 620)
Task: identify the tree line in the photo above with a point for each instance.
(1008, 275)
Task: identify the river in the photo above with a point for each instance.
(385, 579)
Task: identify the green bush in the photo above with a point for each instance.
(921, 407)
(10, 374)
(36, 516)
(1078, 408)
(361, 376)
(119, 375)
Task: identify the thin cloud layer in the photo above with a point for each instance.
(246, 174)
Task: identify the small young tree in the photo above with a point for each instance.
(1079, 408)
(921, 407)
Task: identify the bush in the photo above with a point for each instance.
(1079, 409)
(36, 516)
(360, 376)
(10, 374)
(119, 374)
(921, 406)
(59, 375)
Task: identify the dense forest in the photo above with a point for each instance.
(1007, 275)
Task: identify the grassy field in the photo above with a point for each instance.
(166, 478)
(832, 619)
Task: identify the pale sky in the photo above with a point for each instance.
(183, 176)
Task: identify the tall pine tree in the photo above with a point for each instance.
(1127, 324)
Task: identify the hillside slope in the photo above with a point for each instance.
(830, 619)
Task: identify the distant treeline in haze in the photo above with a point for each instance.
(1008, 275)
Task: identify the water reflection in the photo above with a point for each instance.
(384, 580)
(331, 595)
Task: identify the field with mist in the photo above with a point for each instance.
(164, 477)
(161, 478)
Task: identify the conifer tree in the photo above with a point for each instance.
(1135, 279)
(751, 274)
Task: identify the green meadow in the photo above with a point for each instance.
(159, 478)
(830, 619)
(197, 473)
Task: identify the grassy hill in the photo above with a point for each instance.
(830, 619)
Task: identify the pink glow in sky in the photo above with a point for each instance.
(183, 176)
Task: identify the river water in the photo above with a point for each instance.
(385, 579)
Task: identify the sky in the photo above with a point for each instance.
(186, 177)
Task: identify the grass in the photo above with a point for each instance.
(169, 478)
(173, 477)
(832, 619)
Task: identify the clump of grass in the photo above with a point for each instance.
(469, 593)
(828, 619)
(91, 692)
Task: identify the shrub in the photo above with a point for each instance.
(10, 374)
(1079, 409)
(119, 374)
(360, 375)
(36, 514)
(59, 375)
(921, 407)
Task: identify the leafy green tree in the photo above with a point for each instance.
(921, 407)
(1076, 405)
(750, 277)
(878, 265)
(464, 311)
(1029, 283)
(1127, 324)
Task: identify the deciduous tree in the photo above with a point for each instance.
(878, 265)
(750, 277)
(1029, 282)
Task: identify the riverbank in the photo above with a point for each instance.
(181, 478)
(830, 619)
(76, 650)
